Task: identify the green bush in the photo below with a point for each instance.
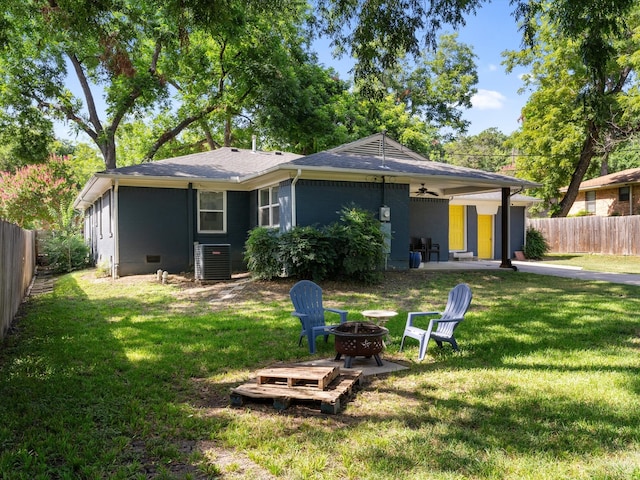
(262, 253)
(361, 243)
(351, 248)
(308, 253)
(536, 246)
(65, 251)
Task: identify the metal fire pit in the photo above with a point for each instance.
(359, 339)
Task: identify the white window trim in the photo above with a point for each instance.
(224, 212)
(269, 206)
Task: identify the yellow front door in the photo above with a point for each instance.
(485, 236)
(456, 227)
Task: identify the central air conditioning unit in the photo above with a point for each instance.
(212, 262)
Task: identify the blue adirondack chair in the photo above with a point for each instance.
(440, 329)
(306, 297)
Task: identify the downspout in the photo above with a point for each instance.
(293, 199)
(116, 233)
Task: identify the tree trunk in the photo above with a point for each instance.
(108, 149)
(586, 155)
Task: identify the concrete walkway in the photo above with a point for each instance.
(540, 268)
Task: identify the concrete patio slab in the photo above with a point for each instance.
(367, 366)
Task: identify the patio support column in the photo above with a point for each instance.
(506, 261)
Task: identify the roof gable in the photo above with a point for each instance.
(377, 145)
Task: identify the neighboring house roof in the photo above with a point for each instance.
(376, 158)
(623, 178)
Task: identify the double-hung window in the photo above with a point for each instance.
(623, 194)
(212, 212)
(268, 207)
(590, 201)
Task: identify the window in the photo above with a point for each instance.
(623, 194)
(268, 207)
(590, 200)
(211, 212)
(99, 214)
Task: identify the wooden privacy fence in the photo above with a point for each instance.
(17, 266)
(606, 235)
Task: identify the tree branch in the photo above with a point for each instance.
(136, 91)
(88, 94)
(173, 133)
(69, 114)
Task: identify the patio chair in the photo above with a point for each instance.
(306, 297)
(440, 329)
(431, 248)
(418, 245)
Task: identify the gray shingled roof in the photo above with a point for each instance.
(391, 166)
(223, 164)
(376, 154)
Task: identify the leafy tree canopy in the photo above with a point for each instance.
(575, 118)
(486, 151)
(180, 62)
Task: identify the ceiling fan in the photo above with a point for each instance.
(425, 191)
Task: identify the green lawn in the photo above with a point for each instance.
(597, 263)
(131, 380)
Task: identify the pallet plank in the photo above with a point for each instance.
(300, 375)
(330, 399)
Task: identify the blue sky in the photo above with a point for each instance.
(490, 32)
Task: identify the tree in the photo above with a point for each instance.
(26, 138)
(180, 63)
(439, 85)
(576, 116)
(486, 151)
(38, 195)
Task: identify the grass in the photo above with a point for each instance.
(131, 379)
(596, 262)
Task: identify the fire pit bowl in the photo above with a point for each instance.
(359, 339)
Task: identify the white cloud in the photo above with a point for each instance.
(493, 68)
(488, 100)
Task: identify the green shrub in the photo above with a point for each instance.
(536, 246)
(361, 243)
(262, 253)
(65, 251)
(351, 248)
(308, 253)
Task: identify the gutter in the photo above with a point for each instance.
(293, 198)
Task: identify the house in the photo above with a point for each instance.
(614, 194)
(475, 223)
(151, 216)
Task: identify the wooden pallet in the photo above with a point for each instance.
(330, 399)
(298, 376)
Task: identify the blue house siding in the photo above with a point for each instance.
(517, 219)
(98, 230)
(429, 218)
(320, 203)
(472, 230)
(153, 227)
(242, 215)
(104, 230)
